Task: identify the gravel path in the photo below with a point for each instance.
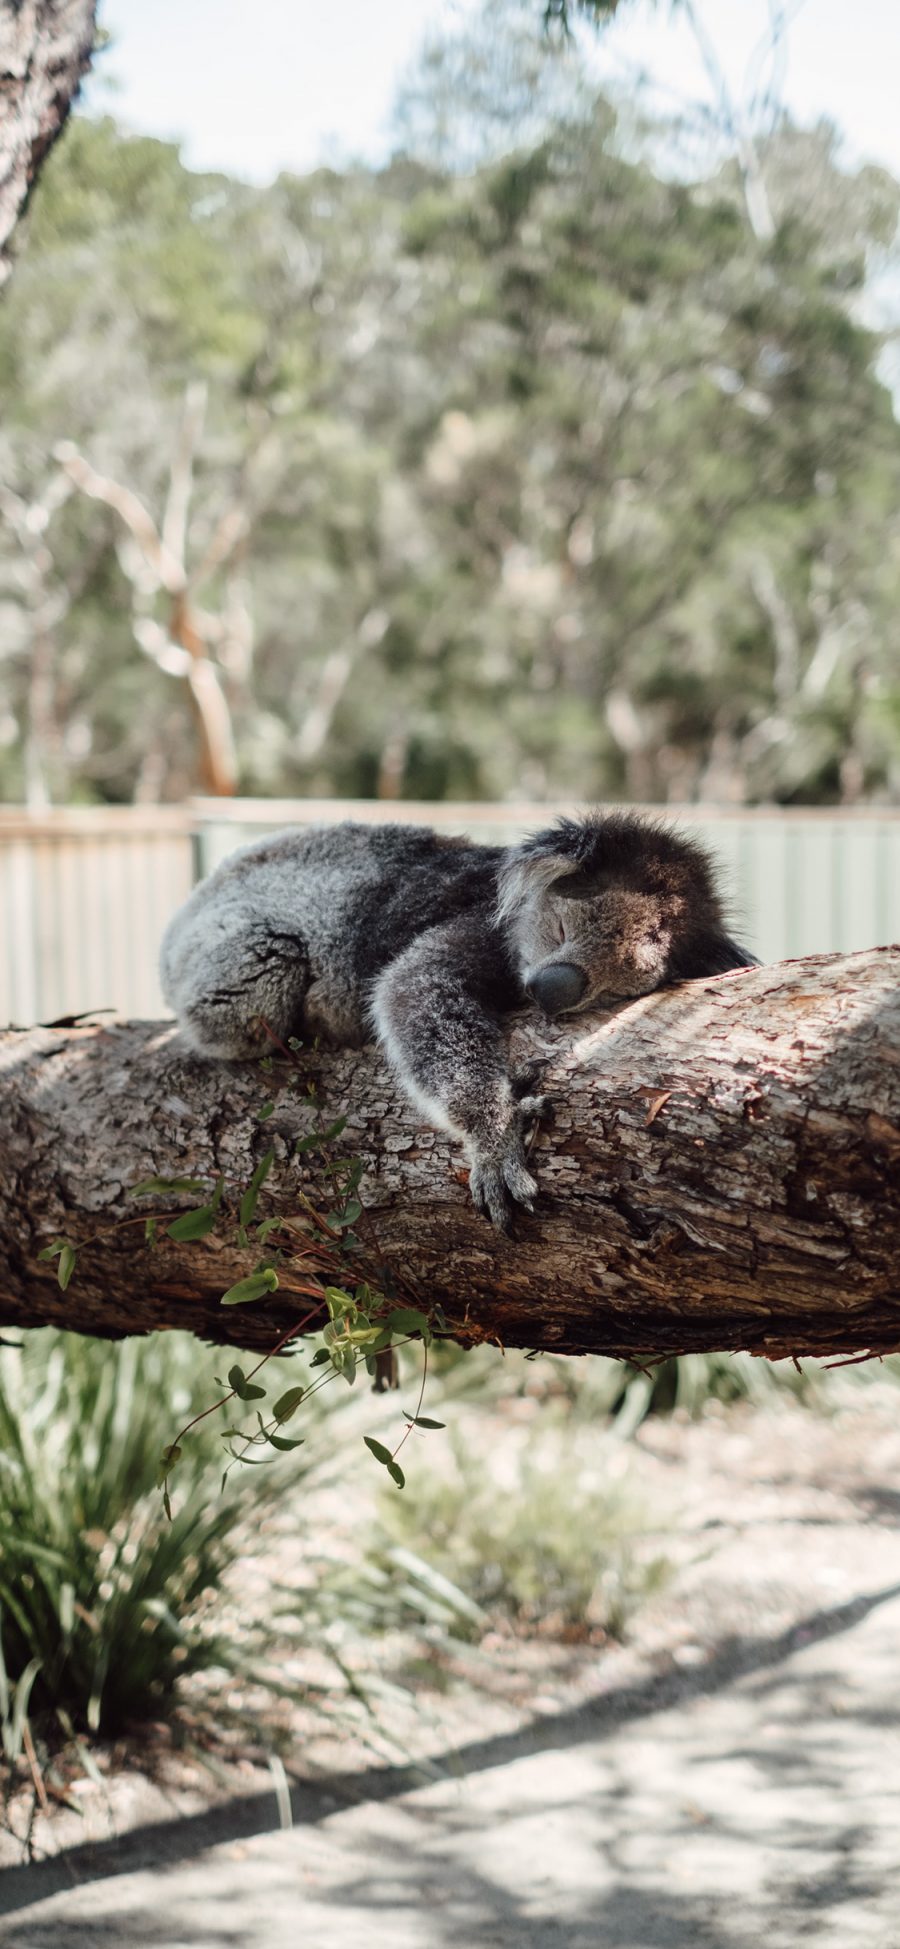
(743, 1789)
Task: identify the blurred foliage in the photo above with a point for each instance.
(111, 1616)
(591, 1390)
(106, 1608)
(552, 1547)
(599, 1388)
(558, 480)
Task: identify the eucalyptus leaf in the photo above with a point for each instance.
(66, 1265)
(407, 1319)
(255, 1286)
(53, 1250)
(193, 1224)
(288, 1404)
(167, 1462)
(244, 1389)
(248, 1202)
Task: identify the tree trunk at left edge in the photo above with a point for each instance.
(45, 49)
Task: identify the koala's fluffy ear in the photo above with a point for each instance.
(717, 954)
(531, 868)
(572, 854)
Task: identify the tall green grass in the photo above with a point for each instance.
(105, 1606)
(554, 1546)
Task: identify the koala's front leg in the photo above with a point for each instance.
(436, 1009)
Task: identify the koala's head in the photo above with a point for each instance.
(609, 907)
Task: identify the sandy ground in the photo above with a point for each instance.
(732, 1775)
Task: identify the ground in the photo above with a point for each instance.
(732, 1773)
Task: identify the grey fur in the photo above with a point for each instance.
(428, 943)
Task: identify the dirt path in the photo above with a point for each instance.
(759, 1808)
(732, 1777)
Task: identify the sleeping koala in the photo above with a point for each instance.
(430, 943)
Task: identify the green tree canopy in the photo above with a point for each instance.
(554, 478)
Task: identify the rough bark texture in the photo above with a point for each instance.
(722, 1173)
(45, 48)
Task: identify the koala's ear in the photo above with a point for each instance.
(531, 869)
(730, 955)
(716, 955)
(585, 883)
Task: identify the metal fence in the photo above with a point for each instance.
(85, 894)
(84, 897)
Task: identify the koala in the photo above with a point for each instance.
(430, 944)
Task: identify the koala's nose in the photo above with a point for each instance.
(557, 987)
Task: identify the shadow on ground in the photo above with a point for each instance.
(694, 1808)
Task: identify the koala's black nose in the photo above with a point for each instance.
(557, 987)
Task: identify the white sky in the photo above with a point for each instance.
(254, 86)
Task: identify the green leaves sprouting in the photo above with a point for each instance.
(255, 1286)
(384, 1456)
(67, 1254)
(199, 1222)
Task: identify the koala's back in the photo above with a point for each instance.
(372, 887)
(302, 922)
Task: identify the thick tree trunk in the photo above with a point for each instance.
(45, 48)
(722, 1173)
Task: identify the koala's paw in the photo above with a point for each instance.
(525, 1079)
(499, 1178)
(535, 1109)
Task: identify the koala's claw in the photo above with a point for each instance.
(535, 1109)
(499, 1180)
(527, 1076)
(497, 1184)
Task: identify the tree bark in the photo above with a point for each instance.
(45, 48)
(723, 1172)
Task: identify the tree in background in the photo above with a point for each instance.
(553, 476)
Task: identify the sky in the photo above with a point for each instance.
(255, 86)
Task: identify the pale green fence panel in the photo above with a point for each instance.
(84, 898)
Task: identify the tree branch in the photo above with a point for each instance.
(166, 567)
(721, 1174)
(181, 474)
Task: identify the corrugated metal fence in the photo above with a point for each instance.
(85, 894)
(84, 897)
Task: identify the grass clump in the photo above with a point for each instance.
(598, 1390)
(554, 1548)
(105, 1606)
